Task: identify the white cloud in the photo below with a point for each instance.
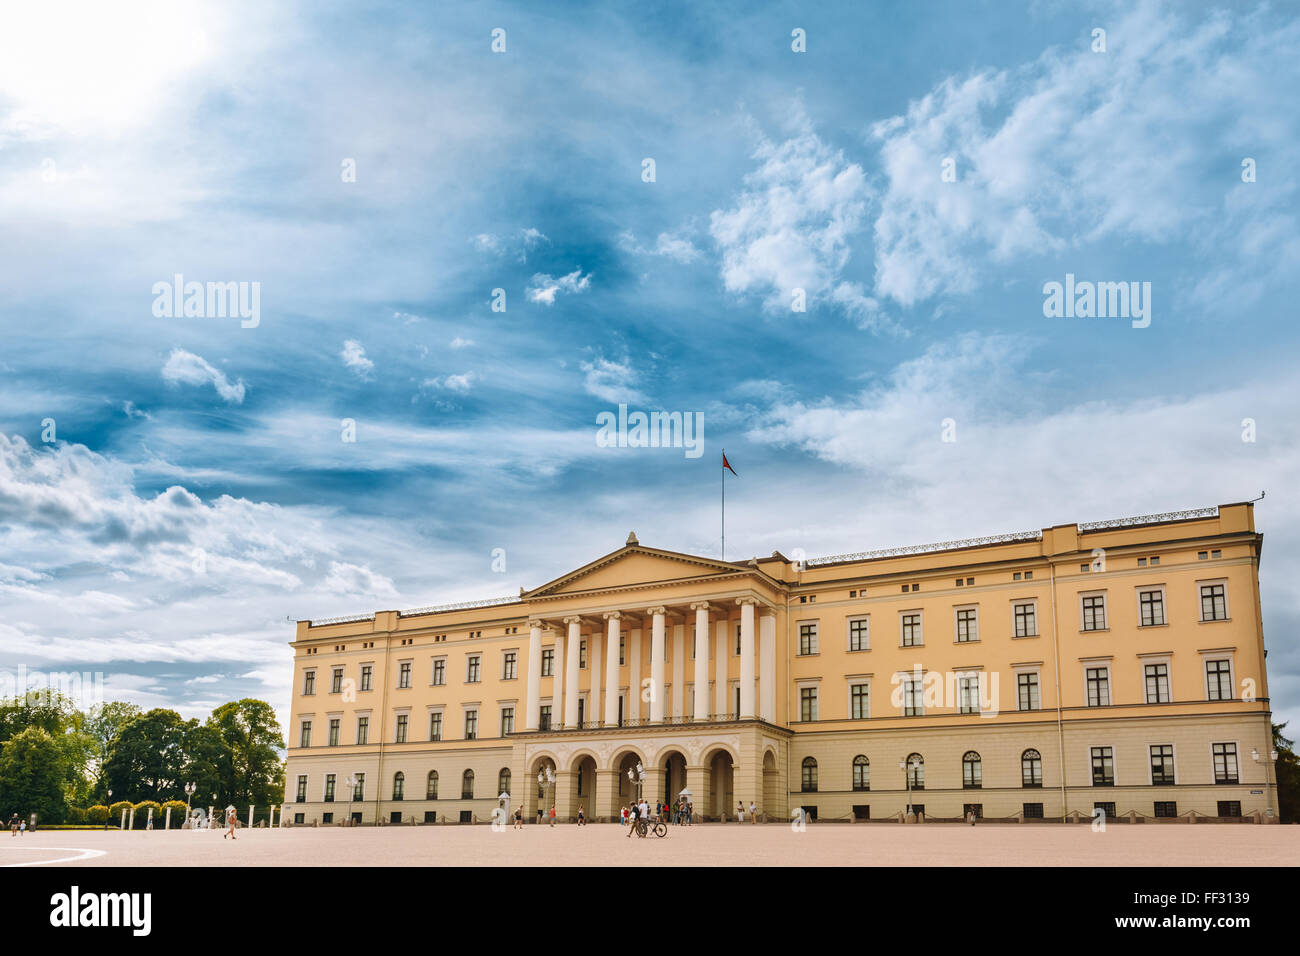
(462, 382)
(611, 381)
(544, 289)
(186, 368)
(521, 243)
(354, 579)
(460, 343)
(354, 357)
(791, 224)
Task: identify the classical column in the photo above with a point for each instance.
(701, 609)
(767, 667)
(533, 712)
(635, 709)
(746, 656)
(612, 624)
(679, 670)
(557, 682)
(571, 672)
(595, 678)
(720, 659)
(657, 664)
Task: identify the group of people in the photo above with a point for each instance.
(683, 812)
(740, 811)
(17, 826)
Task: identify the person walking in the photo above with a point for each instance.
(630, 813)
(519, 817)
(552, 815)
(753, 812)
(13, 825)
(540, 810)
(582, 816)
(740, 811)
(231, 820)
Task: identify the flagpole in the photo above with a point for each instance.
(724, 506)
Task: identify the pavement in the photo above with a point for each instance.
(932, 844)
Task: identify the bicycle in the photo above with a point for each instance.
(645, 827)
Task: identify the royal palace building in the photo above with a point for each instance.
(1034, 675)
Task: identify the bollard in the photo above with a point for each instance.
(250, 816)
(167, 819)
(122, 824)
(148, 824)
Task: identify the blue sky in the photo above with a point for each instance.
(198, 493)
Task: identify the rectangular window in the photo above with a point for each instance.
(367, 676)
(808, 638)
(1229, 808)
(309, 683)
(544, 718)
(807, 703)
(471, 725)
(336, 681)
(435, 725)
(859, 701)
(507, 721)
(359, 791)
(913, 697)
(439, 671)
(977, 809)
(966, 627)
(582, 654)
(304, 737)
(404, 674)
(622, 649)
(1027, 691)
(1218, 679)
(1225, 763)
(912, 630)
(1098, 687)
(403, 725)
(1213, 603)
(859, 634)
(302, 789)
(1094, 612)
(508, 665)
(1153, 607)
(334, 732)
(968, 693)
(737, 643)
(1103, 767)
(548, 662)
(1026, 620)
(363, 730)
(1032, 811)
(1157, 683)
(1166, 808)
(1162, 763)
(472, 669)
(1107, 809)
(329, 787)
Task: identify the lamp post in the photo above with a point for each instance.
(1268, 786)
(907, 777)
(546, 779)
(638, 778)
(352, 793)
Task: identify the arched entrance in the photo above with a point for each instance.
(773, 799)
(722, 784)
(627, 787)
(674, 769)
(583, 782)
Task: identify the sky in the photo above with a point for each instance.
(467, 244)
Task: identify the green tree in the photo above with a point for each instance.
(33, 773)
(102, 724)
(252, 741)
(1287, 769)
(147, 757)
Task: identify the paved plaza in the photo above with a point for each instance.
(709, 845)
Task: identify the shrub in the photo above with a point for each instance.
(75, 815)
(115, 811)
(98, 814)
(178, 813)
(142, 813)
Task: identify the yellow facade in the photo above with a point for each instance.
(787, 684)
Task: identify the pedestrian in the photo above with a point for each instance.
(231, 820)
(740, 811)
(630, 814)
(970, 817)
(519, 817)
(22, 828)
(552, 815)
(753, 812)
(690, 813)
(540, 811)
(13, 825)
(582, 816)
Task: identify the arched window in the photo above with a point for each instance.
(1031, 769)
(503, 780)
(809, 775)
(431, 787)
(972, 774)
(399, 785)
(467, 785)
(916, 771)
(861, 773)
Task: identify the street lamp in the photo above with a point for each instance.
(1272, 756)
(907, 776)
(638, 778)
(546, 779)
(352, 793)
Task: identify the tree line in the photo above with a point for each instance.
(57, 760)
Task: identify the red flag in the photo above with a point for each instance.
(727, 465)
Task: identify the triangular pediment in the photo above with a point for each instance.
(634, 565)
